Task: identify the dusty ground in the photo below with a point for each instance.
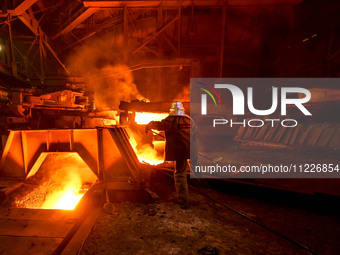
(209, 228)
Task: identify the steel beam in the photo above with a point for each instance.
(169, 42)
(21, 8)
(33, 25)
(14, 66)
(179, 28)
(159, 25)
(81, 18)
(145, 47)
(174, 3)
(42, 59)
(155, 35)
(78, 41)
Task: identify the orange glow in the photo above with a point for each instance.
(108, 122)
(146, 154)
(62, 179)
(151, 154)
(66, 200)
(67, 195)
(144, 118)
(159, 145)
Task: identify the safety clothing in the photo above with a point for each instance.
(177, 134)
(177, 109)
(177, 126)
(181, 183)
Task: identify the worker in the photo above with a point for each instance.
(177, 126)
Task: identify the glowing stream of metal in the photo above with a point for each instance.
(147, 153)
(144, 118)
(66, 199)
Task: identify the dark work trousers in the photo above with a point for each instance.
(194, 157)
(181, 183)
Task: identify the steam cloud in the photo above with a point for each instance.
(100, 62)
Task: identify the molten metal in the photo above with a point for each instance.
(66, 200)
(144, 118)
(59, 183)
(146, 154)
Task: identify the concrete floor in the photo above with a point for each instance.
(209, 228)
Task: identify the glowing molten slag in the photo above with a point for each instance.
(146, 153)
(67, 196)
(64, 200)
(143, 118)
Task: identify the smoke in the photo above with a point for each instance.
(183, 95)
(100, 62)
(114, 85)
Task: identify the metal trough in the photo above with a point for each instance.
(102, 149)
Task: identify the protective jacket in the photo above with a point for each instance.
(177, 133)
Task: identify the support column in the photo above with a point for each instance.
(13, 63)
(179, 28)
(160, 23)
(42, 62)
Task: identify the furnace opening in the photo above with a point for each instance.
(58, 183)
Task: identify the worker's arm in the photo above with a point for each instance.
(163, 125)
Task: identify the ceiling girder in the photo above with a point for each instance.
(155, 35)
(21, 8)
(174, 3)
(82, 17)
(33, 25)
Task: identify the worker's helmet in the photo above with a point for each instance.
(177, 109)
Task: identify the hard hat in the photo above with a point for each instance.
(177, 109)
(176, 106)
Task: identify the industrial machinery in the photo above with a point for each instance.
(102, 149)
(129, 109)
(33, 109)
(55, 168)
(136, 114)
